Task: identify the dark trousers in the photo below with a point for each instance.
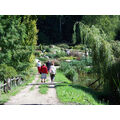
(52, 76)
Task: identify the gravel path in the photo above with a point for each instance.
(33, 97)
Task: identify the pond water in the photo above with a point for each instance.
(86, 79)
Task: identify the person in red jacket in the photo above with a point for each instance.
(44, 72)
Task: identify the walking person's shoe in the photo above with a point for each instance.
(44, 81)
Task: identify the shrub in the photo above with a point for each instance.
(79, 47)
(40, 47)
(56, 62)
(6, 72)
(116, 48)
(50, 55)
(69, 71)
(76, 54)
(57, 55)
(67, 58)
(64, 66)
(60, 54)
(71, 74)
(37, 53)
(47, 49)
(63, 46)
(43, 59)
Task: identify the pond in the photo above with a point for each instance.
(85, 80)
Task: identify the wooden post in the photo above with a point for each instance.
(8, 84)
(5, 90)
(0, 90)
(17, 81)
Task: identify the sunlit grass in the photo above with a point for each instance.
(43, 89)
(69, 93)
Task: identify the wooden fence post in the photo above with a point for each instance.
(8, 84)
(0, 90)
(5, 90)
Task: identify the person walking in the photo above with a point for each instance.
(48, 64)
(52, 72)
(44, 72)
(38, 65)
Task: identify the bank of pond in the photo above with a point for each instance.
(78, 93)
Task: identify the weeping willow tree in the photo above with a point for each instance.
(102, 53)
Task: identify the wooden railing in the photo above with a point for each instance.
(10, 83)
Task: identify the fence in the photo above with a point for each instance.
(9, 83)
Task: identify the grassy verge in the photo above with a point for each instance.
(6, 96)
(74, 94)
(43, 89)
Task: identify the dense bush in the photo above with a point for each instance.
(37, 53)
(116, 48)
(73, 68)
(56, 55)
(51, 55)
(18, 36)
(79, 47)
(65, 46)
(60, 54)
(67, 58)
(43, 59)
(56, 62)
(6, 72)
(71, 74)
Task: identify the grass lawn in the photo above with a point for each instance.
(73, 94)
(6, 96)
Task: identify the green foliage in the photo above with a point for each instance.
(116, 48)
(79, 47)
(102, 53)
(76, 35)
(6, 72)
(67, 58)
(43, 89)
(43, 59)
(71, 74)
(14, 90)
(74, 94)
(50, 55)
(37, 53)
(40, 47)
(56, 62)
(60, 54)
(18, 40)
(112, 75)
(72, 69)
(56, 55)
(108, 23)
(65, 46)
(31, 31)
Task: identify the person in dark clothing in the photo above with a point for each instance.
(48, 64)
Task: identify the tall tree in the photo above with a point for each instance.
(17, 41)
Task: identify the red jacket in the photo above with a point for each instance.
(43, 69)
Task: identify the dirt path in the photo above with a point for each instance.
(33, 97)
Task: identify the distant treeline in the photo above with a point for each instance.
(60, 28)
